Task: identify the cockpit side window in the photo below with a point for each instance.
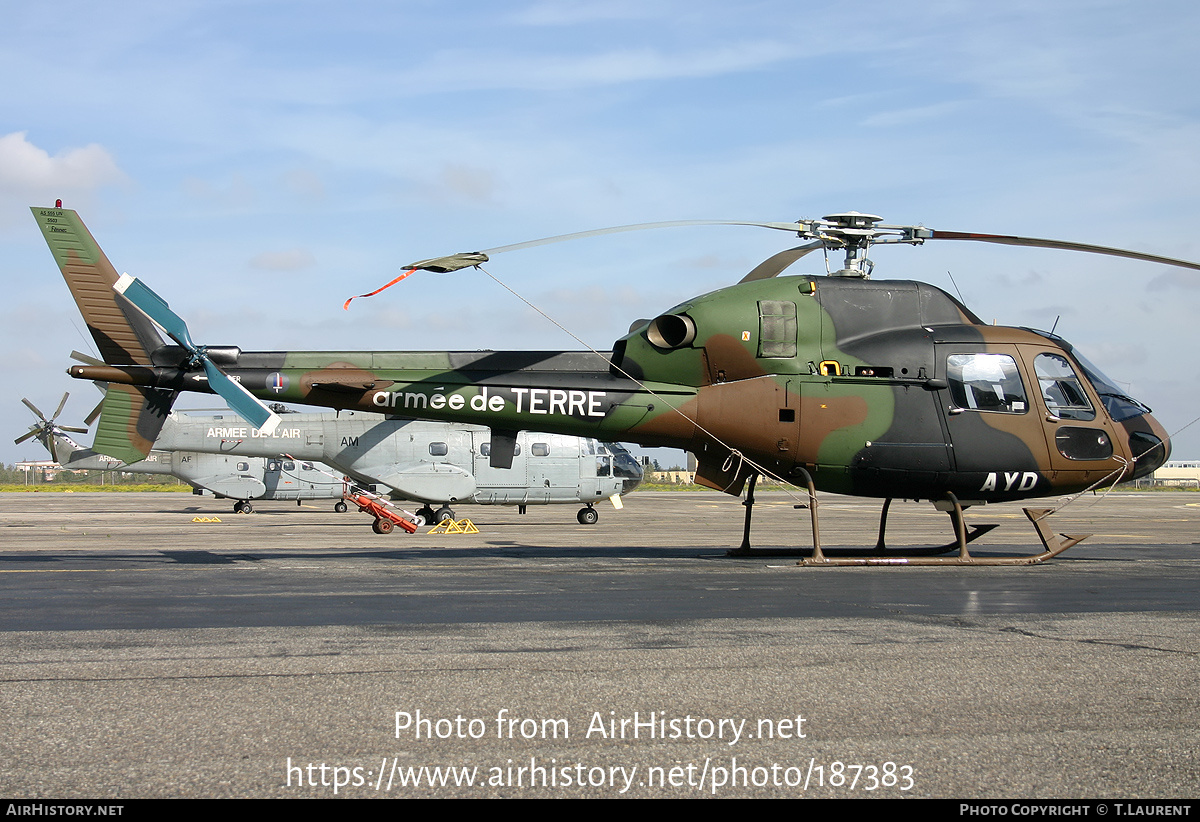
(1061, 388)
(986, 382)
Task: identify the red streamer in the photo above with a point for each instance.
(346, 305)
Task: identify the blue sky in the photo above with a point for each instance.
(258, 162)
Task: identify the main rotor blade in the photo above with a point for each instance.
(31, 433)
(454, 262)
(156, 308)
(836, 232)
(773, 266)
(61, 404)
(596, 232)
(1035, 242)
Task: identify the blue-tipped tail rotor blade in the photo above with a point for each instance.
(250, 407)
(156, 308)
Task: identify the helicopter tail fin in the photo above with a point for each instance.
(131, 418)
(123, 335)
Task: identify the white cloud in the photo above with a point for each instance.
(25, 168)
(291, 260)
(574, 13)
(1175, 278)
(236, 192)
(910, 116)
(30, 175)
(473, 71)
(474, 184)
(304, 184)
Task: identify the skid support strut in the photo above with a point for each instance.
(745, 550)
(1055, 544)
(962, 535)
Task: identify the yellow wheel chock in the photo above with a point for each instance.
(462, 526)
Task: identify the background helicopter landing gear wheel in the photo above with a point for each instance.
(426, 512)
(419, 520)
(383, 526)
(243, 507)
(587, 516)
(340, 506)
(442, 514)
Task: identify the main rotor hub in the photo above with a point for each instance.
(856, 232)
(853, 219)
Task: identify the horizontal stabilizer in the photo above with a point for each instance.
(131, 418)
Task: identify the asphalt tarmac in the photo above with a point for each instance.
(293, 652)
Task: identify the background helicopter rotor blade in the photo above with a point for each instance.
(91, 418)
(36, 411)
(156, 308)
(1035, 242)
(45, 429)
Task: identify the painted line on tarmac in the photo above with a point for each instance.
(70, 570)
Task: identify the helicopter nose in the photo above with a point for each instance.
(1150, 446)
(630, 471)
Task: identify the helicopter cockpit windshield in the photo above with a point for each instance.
(1119, 405)
(614, 459)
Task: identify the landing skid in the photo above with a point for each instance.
(1054, 543)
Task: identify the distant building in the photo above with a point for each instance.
(1180, 473)
(39, 470)
(672, 477)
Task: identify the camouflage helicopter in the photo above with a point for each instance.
(887, 389)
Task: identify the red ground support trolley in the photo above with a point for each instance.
(386, 518)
